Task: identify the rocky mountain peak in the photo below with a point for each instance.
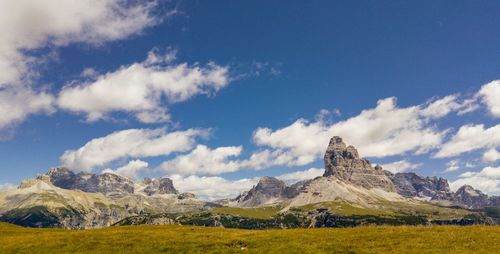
(468, 190)
(106, 183)
(268, 190)
(344, 163)
(471, 197)
(410, 184)
(162, 185)
(270, 185)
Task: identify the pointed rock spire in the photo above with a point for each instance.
(344, 163)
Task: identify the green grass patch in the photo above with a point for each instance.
(257, 213)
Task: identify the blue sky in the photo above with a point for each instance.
(233, 79)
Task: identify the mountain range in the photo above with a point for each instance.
(351, 192)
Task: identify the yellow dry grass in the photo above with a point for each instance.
(187, 239)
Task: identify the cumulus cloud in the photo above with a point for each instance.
(206, 161)
(490, 94)
(131, 170)
(18, 103)
(491, 155)
(386, 130)
(452, 165)
(144, 89)
(203, 160)
(297, 176)
(212, 187)
(32, 25)
(442, 107)
(469, 138)
(131, 143)
(486, 180)
(400, 166)
(215, 187)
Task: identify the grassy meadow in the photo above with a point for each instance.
(189, 239)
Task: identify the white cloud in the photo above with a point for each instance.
(470, 138)
(206, 161)
(441, 107)
(203, 160)
(30, 26)
(487, 180)
(297, 176)
(6, 186)
(491, 155)
(400, 166)
(385, 130)
(213, 187)
(18, 103)
(39, 24)
(131, 143)
(143, 89)
(452, 165)
(490, 94)
(131, 170)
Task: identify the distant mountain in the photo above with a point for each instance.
(351, 192)
(64, 199)
(268, 191)
(349, 178)
(38, 203)
(415, 186)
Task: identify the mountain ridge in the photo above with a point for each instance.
(63, 198)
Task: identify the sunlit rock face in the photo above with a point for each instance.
(269, 190)
(344, 163)
(413, 185)
(162, 185)
(106, 183)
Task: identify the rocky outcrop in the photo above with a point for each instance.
(472, 198)
(106, 183)
(437, 190)
(269, 190)
(162, 185)
(38, 203)
(62, 198)
(344, 163)
(414, 185)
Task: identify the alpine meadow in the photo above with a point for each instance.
(169, 126)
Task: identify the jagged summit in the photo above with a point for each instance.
(343, 162)
(108, 183)
(162, 185)
(268, 190)
(410, 184)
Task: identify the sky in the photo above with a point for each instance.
(215, 94)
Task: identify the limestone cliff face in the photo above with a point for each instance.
(343, 162)
(162, 185)
(269, 190)
(62, 198)
(106, 183)
(410, 184)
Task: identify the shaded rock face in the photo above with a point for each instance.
(106, 183)
(471, 197)
(160, 185)
(268, 190)
(414, 185)
(344, 163)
